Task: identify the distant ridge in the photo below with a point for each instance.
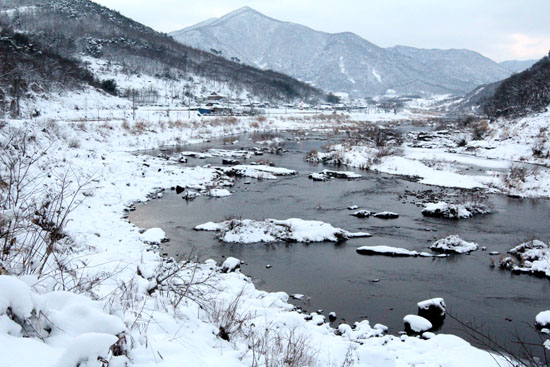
(341, 62)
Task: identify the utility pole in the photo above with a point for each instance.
(133, 104)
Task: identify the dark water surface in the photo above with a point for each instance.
(336, 278)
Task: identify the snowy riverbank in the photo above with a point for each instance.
(106, 293)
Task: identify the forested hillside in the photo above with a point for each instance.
(42, 41)
(522, 93)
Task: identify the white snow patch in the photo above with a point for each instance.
(377, 76)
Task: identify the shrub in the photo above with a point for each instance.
(479, 130)
(273, 346)
(33, 215)
(109, 86)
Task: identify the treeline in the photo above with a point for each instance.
(70, 27)
(522, 93)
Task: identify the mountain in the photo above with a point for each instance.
(341, 62)
(468, 66)
(522, 93)
(515, 66)
(84, 37)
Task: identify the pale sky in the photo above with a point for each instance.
(499, 29)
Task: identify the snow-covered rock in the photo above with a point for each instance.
(454, 244)
(533, 256)
(195, 155)
(230, 162)
(153, 236)
(434, 310)
(224, 153)
(434, 303)
(454, 211)
(231, 264)
(219, 193)
(386, 215)
(542, 320)
(257, 171)
(362, 214)
(272, 230)
(389, 251)
(416, 324)
(328, 174)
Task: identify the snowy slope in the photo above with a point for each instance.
(342, 62)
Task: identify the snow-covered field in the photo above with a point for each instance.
(106, 293)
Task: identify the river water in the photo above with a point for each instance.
(337, 279)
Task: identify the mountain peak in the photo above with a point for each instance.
(340, 62)
(241, 11)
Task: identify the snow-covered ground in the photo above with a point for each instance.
(109, 294)
(513, 158)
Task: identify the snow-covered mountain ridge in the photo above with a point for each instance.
(341, 62)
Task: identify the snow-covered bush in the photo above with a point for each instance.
(275, 346)
(35, 201)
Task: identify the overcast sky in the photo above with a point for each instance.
(499, 29)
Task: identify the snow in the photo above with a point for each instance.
(87, 348)
(114, 273)
(271, 230)
(434, 302)
(543, 319)
(219, 193)
(231, 264)
(377, 76)
(76, 329)
(417, 324)
(153, 236)
(328, 174)
(364, 156)
(389, 251)
(257, 171)
(362, 214)
(534, 258)
(210, 226)
(454, 244)
(454, 211)
(16, 295)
